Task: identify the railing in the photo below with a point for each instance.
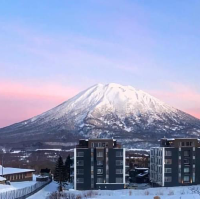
(24, 192)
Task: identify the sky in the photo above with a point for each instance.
(51, 50)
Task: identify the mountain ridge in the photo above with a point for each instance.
(110, 110)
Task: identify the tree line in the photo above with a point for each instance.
(62, 172)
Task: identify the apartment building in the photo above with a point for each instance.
(175, 162)
(99, 164)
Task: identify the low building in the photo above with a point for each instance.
(99, 164)
(2, 180)
(16, 174)
(176, 162)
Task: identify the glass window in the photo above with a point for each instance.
(187, 153)
(99, 180)
(119, 171)
(168, 161)
(80, 163)
(168, 153)
(79, 171)
(168, 170)
(186, 178)
(119, 162)
(99, 163)
(168, 179)
(80, 154)
(186, 170)
(186, 161)
(80, 180)
(119, 153)
(119, 180)
(99, 153)
(183, 143)
(99, 171)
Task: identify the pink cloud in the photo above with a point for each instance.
(180, 96)
(20, 101)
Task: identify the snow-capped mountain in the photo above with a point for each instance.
(111, 110)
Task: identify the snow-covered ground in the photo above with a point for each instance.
(17, 185)
(42, 194)
(190, 192)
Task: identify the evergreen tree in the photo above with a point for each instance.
(67, 166)
(60, 174)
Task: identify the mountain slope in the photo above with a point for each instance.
(110, 110)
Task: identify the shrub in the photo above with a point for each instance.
(146, 193)
(171, 193)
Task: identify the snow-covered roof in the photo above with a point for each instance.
(141, 168)
(2, 178)
(10, 170)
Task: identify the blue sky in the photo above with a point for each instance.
(51, 50)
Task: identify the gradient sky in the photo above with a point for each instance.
(51, 50)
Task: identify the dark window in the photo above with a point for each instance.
(80, 180)
(80, 154)
(80, 163)
(80, 171)
(119, 154)
(187, 153)
(99, 180)
(100, 154)
(99, 162)
(119, 162)
(119, 180)
(186, 161)
(119, 171)
(168, 161)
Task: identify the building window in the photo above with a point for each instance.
(168, 179)
(80, 180)
(187, 153)
(168, 153)
(186, 170)
(168, 161)
(99, 180)
(186, 178)
(80, 154)
(182, 143)
(99, 153)
(119, 162)
(99, 163)
(80, 163)
(119, 154)
(119, 171)
(186, 161)
(80, 171)
(92, 144)
(119, 180)
(99, 171)
(168, 170)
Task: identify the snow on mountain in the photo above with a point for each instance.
(110, 110)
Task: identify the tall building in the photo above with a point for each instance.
(99, 164)
(176, 162)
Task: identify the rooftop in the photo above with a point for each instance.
(10, 170)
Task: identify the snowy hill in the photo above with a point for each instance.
(110, 110)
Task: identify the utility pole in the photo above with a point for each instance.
(2, 164)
